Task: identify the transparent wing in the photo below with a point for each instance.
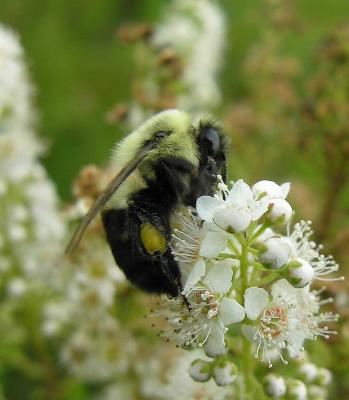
(106, 195)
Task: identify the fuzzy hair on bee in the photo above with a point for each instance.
(166, 163)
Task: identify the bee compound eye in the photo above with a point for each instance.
(211, 137)
(161, 135)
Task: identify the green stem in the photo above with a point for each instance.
(267, 279)
(228, 255)
(247, 360)
(259, 232)
(232, 247)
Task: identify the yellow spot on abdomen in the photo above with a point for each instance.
(152, 239)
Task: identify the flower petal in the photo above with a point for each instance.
(285, 188)
(249, 332)
(231, 311)
(205, 206)
(282, 288)
(277, 253)
(256, 300)
(219, 277)
(212, 244)
(259, 208)
(194, 276)
(270, 188)
(214, 345)
(227, 216)
(240, 192)
(295, 344)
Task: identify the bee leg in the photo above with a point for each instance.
(186, 302)
(204, 183)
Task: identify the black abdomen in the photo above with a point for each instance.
(154, 273)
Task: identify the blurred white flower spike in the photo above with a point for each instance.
(247, 283)
(195, 30)
(31, 229)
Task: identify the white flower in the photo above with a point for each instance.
(211, 310)
(277, 252)
(298, 272)
(224, 373)
(274, 385)
(271, 189)
(310, 319)
(285, 321)
(194, 241)
(200, 370)
(276, 320)
(311, 252)
(280, 211)
(296, 390)
(235, 208)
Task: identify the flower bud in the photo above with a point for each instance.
(280, 211)
(271, 189)
(296, 390)
(213, 348)
(324, 377)
(308, 372)
(298, 272)
(317, 393)
(277, 252)
(200, 370)
(274, 385)
(224, 373)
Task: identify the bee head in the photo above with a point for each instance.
(174, 135)
(170, 131)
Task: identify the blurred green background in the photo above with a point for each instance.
(80, 68)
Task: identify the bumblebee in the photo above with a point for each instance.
(166, 163)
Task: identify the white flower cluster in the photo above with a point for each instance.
(195, 31)
(85, 292)
(242, 274)
(30, 229)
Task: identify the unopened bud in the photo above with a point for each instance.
(224, 373)
(307, 372)
(274, 385)
(324, 377)
(276, 252)
(280, 211)
(296, 390)
(298, 272)
(270, 189)
(200, 370)
(317, 393)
